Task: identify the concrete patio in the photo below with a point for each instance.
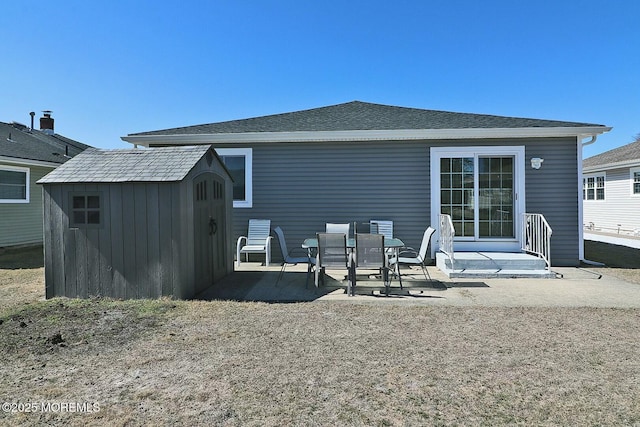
(574, 287)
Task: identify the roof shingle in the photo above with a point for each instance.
(357, 115)
(128, 165)
(627, 152)
(21, 143)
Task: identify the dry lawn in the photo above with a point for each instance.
(229, 363)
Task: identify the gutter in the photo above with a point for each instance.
(594, 137)
(29, 162)
(364, 135)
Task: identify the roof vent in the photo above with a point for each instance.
(46, 122)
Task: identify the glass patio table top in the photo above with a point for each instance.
(312, 243)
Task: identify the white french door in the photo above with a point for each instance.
(482, 189)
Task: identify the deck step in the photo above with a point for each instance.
(493, 265)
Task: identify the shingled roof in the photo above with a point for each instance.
(30, 145)
(128, 165)
(357, 115)
(626, 153)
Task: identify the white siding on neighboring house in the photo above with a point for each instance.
(620, 207)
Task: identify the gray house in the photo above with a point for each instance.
(611, 190)
(357, 161)
(26, 155)
(137, 223)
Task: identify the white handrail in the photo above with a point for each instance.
(447, 233)
(536, 236)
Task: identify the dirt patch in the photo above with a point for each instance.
(79, 325)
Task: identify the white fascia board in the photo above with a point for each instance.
(364, 135)
(28, 162)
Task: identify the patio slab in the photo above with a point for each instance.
(575, 287)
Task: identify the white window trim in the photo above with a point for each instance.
(28, 183)
(518, 152)
(631, 172)
(594, 176)
(248, 173)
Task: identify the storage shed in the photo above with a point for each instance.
(137, 223)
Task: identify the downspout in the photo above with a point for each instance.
(581, 146)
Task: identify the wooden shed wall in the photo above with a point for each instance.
(134, 253)
(144, 247)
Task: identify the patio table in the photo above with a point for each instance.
(394, 243)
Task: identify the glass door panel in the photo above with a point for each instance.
(457, 193)
(478, 194)
(495, 197)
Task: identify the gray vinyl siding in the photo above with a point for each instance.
(301, 186)
(620, 207)
(21, 223)
(553, 190)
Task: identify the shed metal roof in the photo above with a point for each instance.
(128, 165)
(358, 115)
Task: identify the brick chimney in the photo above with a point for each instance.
(46, 122)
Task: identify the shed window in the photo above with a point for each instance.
(239, 162)
(85, 210)
(593, 187)
(14, 184)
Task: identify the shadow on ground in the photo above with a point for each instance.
(21, 258)
(263, 286)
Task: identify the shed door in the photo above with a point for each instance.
(209, 226)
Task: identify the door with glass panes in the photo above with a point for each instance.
(480, 191)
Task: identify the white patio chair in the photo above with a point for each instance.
(337, 228)
(409, 256)
(289, 259)
(332, 253)
(383, 227)
(258, 240)
(370, 255)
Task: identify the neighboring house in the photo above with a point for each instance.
(137, 223)
(26, 155)
(611, 190)
(357, 161)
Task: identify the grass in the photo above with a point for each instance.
(236, 364)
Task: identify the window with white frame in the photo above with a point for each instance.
(14, 184)
(239, 162)
(593, 187)
(635, 181)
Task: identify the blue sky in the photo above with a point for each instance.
(108, 69)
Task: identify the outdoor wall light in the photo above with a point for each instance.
(536, 162)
